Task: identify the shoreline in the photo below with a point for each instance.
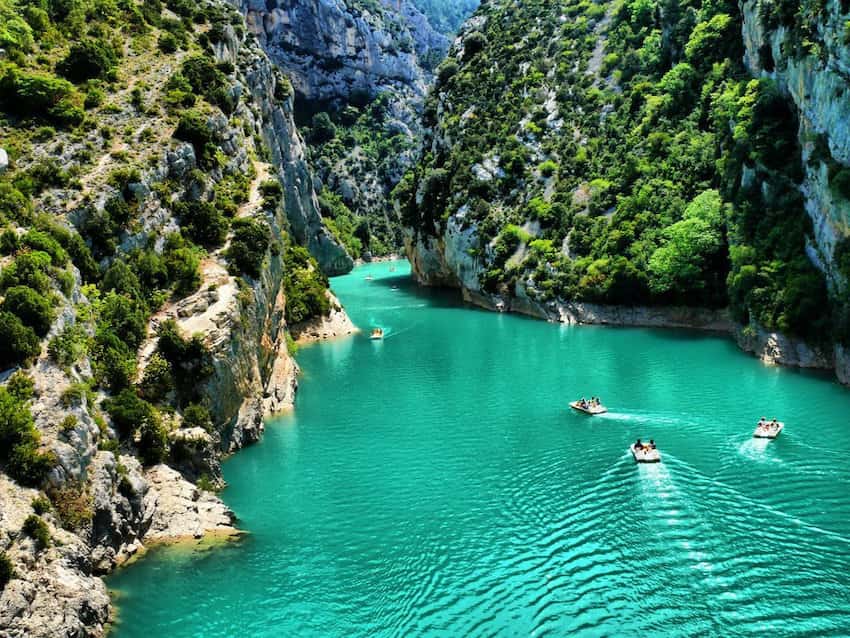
(770, 347)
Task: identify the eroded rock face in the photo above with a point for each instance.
(818, 86)
(332, 50)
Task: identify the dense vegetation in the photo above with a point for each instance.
(601, 158)
(84, 117)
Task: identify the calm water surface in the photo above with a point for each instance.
(434, 484)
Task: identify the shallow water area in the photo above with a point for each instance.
(436, 483)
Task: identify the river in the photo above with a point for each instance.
(436, 484)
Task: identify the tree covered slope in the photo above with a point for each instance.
(620, 152)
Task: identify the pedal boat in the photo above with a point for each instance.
(767, 431)
(592, 410)
(645, 454)
(377, 334)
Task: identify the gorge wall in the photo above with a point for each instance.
(176, 211)
(646, 158)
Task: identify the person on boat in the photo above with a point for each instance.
(583, 403)
(651, 444)
(638, 445)
(762, 422)
(774, 424)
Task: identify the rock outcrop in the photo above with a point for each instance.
(115, 507)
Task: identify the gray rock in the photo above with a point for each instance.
(4, 161)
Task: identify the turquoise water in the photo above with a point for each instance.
(434, 484)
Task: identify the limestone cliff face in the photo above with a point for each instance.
(340, 52)
(815, 79)
(333, 48)
(58, 591)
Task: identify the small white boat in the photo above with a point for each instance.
(368, 278)
(377, 334)
(645, 453)
(768, 429)
(589, 408)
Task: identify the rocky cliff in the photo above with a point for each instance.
(125, 426)
(643, 170)
(367, 66)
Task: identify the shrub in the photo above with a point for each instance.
(18, 343)
(36, 528)
(69, 346)
(42, 95)
(128, 412)
(29, 269)
(14, 205)
(158, 381)
(87, 60)
(73, 506)
(190, 360)
(322, 129)
(202, 223)
(248, 246)
(41, 505)
(167, 43)
(46, 243)
(197, 416)
(7, 570)
(153, 442)
(21, 386)
(305, 287)
(193, 128)
(182, 262)
(31, 308)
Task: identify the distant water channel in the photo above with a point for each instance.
(435, 484)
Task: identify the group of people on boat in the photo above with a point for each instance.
(594, 402)
(764, 424)
(646, 447)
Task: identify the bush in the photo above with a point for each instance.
(197, 416)
(167, 43)
(190, 360)
(14, 205)
(87, 60)
(18, 343)
(21, 386)
(305, 287)
(322, 129)
(248, 247)
(36, 528)
(7, 570)
(182, 262)
(46, 243)
(73, 506)
(29, 269)
(202, 223)
(193, 128)
(31, 308)
(158, 380)
(41, 95)
(69, 346)
(153, 443)
(41, 505)
(128, 412)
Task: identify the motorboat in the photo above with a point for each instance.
(645, 453)
(368, 278)
(589, 407)
(768, 429)
(377, 334)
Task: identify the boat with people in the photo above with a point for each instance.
(592, 407)
(377, 334)
(645, 452)
(768, 429)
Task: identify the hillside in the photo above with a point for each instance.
(360, 70)
(160, 238)
(644, 154)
